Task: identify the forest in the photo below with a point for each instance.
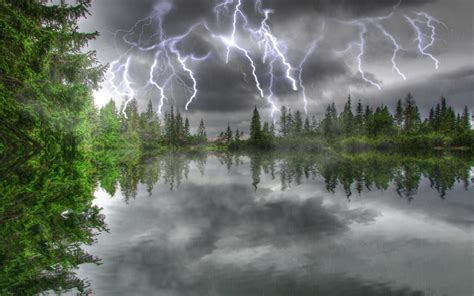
(367, 128)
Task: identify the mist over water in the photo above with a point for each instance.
(281, 224)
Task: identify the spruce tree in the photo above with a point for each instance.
(255, 128)
(237, 135)
(348, 118)
(359, 117)
(187, 130)
(228, 134)
(465, 123)
(399, 117)
(411, 115)
(289, 122)
(283, 122)
(201, 132)
(298, 123)
(307, 127)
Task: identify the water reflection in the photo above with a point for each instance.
(270, 224)
(353, 172)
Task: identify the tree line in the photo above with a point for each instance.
(379, 125)
(144, 130)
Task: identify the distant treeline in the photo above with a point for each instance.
(366, 128)
(144, 130)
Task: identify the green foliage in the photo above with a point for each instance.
(255, 129)
(46, 215)
(46, 80)
(377, 129)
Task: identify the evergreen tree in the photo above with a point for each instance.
(465, 123)
(255, 128)
(437, 117)
(447, 120)
(228, 134)
(307, 126)
(108, 127)
(237, 135)
(329, 123)
(314, 124)
(298, 123)
(382, 122)
(411, 115)
(179, 128)
(359, 118)
(201, 132)
(150, 127)
(289, 122)
(431, 125)
(368, 120)
(272, 129)
(283, 122)
(399, 116)
(347, 118)
(187, 130)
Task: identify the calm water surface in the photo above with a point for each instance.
(285, 225)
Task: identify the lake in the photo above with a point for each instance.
(285, 224)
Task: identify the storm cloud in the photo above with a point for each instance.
(228, 90)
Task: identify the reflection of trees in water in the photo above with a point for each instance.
(351, 172)
(46, 216)
(171, 168)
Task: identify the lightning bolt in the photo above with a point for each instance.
(428, 21)
(362, 25)
(310, 50)
(361, 45)
(165, 52)
(129, 90)
(271, 42)
(172, 66)
(270, 90)
(395, 51)
(231, 43)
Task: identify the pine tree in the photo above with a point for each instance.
(283, 122)
(447, 118)
(399, 117)
(272, 129)
(314, 124)
(348, 118)
(307, 126)
(327, 123)
(228, 134)
(201, 132)
(359, 118)
(187, 130)
(179, 128)
(368, 120)
(237, 135)
(382, 122)
(298, 123)
(108, 127)
(431, 124)
(465, 123)
(289, 122)
(255, 128)
(411, 115)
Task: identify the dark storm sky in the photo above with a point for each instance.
(226, 94)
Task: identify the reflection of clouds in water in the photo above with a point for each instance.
(217, 236)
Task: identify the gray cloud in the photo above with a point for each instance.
(230, 89)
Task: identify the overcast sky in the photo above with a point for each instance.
(228, 91)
